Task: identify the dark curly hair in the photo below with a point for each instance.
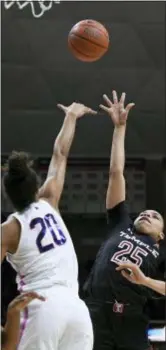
(20, 180)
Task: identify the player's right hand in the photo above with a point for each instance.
(116, 109)
(136, 275)
(76, 109)
(20, 302)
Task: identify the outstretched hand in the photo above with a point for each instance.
(136, 275)
(116, 109)
(76, 109)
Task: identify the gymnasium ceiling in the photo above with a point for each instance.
(38, 71)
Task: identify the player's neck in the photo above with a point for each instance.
(149, 237)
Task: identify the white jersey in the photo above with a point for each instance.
(45, 255)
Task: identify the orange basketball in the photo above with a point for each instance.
(88, 40)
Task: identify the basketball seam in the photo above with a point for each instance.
(80, 52)
(100, 30)
(86, 39)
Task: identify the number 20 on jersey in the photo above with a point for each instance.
(48, 225)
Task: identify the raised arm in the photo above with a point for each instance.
(53, 186)
(118, 113)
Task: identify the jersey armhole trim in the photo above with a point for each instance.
(20, 239)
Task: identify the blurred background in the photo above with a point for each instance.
(38, 72)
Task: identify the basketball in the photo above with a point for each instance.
(88, 40)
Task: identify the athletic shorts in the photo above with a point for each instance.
(62, 322)
(116, 330)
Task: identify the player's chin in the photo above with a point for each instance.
(143, 227)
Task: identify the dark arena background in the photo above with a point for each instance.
(38, 72)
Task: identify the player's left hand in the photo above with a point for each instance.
(20, 302)
(136, 275)
(76, 109)
(116, 109)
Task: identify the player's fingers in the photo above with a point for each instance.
(126, 275)
(107, 100)
(122, 99)
(124, 265)
(119, 268)
(115, 96)
(104, 108)
(40, 297)
(21, 304)
(26, 301)
(91, 111)
(63, 108)
(19, 297)
(32, 295)
(18, 301)
(129, 107)
(21, 300)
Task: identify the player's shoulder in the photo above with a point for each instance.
(119, 209)
(10, 232)
(11, 224)
(119, 215)
(47, 204)
(44, 209)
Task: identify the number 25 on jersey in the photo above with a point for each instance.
(48, 225)
(128, 249)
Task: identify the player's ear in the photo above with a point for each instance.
(161, 236)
